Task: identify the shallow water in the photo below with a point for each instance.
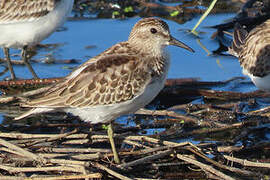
(103, 33)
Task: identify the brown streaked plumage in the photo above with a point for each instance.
(119, 78)
(25, 23)
(119, 81)
(24, 10)
(253, 51)
(113, 79)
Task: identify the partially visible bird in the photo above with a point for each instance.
(253, 51)
(119, 81)
(25, 23)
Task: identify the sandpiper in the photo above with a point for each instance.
(119, 81)
(25, 23)
(253, 51)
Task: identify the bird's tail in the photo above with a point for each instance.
(239, 37)
(33, 111)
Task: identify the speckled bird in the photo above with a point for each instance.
(119, 81)
(253, 51)
(25, 23)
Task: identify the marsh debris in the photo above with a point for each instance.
(233, 142)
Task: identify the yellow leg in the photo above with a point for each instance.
(110, 135)
(26, 62)
(7, 56)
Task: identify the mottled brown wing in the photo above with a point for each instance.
(256, 51)
(12, 11)
(239, 38)
(260, 65)
(108, 80)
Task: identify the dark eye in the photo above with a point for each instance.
(153, 30)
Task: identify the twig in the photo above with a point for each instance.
(69, 162)
(80, 176)
(245, 162)
(232, 169)
(60, 136)
(204, 167)
(157, 141)
(11, 169)
(74, 150)
(133, 143)
(11, 151)
(22, 151)
(111, 172)
(179, 116)
(88, 156)
(229, 149)
(77, 141)
(31, 136)
(145, 159)
(12, 178)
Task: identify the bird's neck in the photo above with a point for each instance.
(157, 57)
(160, 65)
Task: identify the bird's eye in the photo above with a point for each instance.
(153, 30)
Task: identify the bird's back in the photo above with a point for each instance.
(115, 82)
(253, 49)
(30, 21)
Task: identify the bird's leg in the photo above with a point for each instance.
(110, 135)
(7, 56)
(26, 62)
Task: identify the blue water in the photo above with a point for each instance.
(103, 33)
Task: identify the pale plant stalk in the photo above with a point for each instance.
(193, 31)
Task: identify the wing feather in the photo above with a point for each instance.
(13, 11)
(108, 80)
(239, 39)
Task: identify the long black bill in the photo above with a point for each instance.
(175, 42)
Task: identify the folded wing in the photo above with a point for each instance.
(108, 80)
(17, 11)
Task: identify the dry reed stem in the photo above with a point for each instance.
(204, 167)
(173, 114)
(111, 172)
(11, 169)
(12, 178)
(133, 143)
(221, 166)
(74, 150)
(245, 162)
(60, 136)
(22, 151)
(31, 136)
(61, 177)
(146, 159)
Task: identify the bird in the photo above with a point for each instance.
(25, 23)
(119, 81)
(253, 51)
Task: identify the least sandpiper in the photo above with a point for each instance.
(253, 51)
(25, 23)
(119, 81)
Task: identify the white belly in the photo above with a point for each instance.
(262, 83)
(17, 35)
(107, 113)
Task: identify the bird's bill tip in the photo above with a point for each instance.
(178, 43)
